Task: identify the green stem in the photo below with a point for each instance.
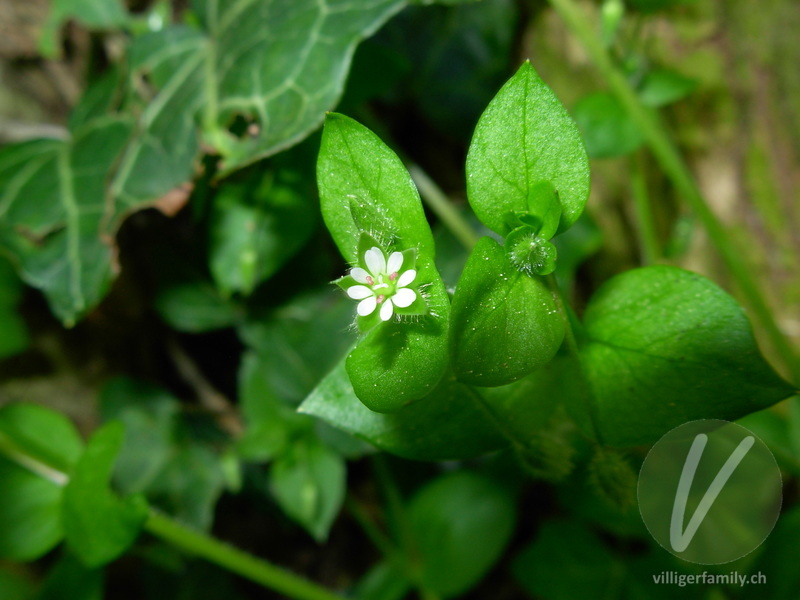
(190, 540)
(440, 204)
(379, 539)
(235, 560)
(646, 227)
(673, 165)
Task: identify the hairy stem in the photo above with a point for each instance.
(676, 169)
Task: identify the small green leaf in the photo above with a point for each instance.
(256, 227)
(456, 424)
(567, 561)
(149, 415)
(309, 484)
(525, 137)
(94, 14)
(461, 524)
(365, 189)
(29, 513)
(505, 323)
(98, 525)
(665, 346)
(384, 582)
(196, 306)
(189, 485)
(607, 128)
(664, 86)
(45, 434)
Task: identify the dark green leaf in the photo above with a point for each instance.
(149, 416)
(30, 523)
(607, 129)
(567, 561)
(451, 423)
(525, 137)
(505, 323)
(365, 189)
(461, 524)
(98, 525)
(71, 580)
(189, 485)
(14, 586)
(308, 482)
(665, 346)
(383, 582)
(256, 228)
(14, 338)
(196, 306)
(44, 434)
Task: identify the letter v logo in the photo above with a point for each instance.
(679, 539)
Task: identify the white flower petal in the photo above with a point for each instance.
(359, 274)
(404, 297)
(386, 310)
(366, 306)
(359, 292)
(406, 278)
(395, 262)
(376, 261)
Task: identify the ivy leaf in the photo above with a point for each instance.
(365, 189)
(274, 68)
(505, 323)
(461, 524)
(98, 525)
(308, 482)
(665, 346)
(51, 209)
(525, 137)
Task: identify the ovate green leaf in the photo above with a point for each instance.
(505, 323)
(665, 346)
(365, 189)
(525, 137)
(461, 524)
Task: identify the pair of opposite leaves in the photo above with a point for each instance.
(504, 321)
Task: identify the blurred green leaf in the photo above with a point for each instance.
(525, 136)
(42, 433)
(14, 586)
(98, 525)
(30, 521)
(256, 227)
(461, 524)
(14, 338)
(608, 131)
(71, 580)
(776, 564)
(574, 246)
(665, 346)
(567, 561)
(189, 485)
(94, 14)
(308, 481)
(365, 189)
(383, 582)
(660, 87)
(504, 323)
(196, 306)
(149, 416)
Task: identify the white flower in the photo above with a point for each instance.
(382, 283)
